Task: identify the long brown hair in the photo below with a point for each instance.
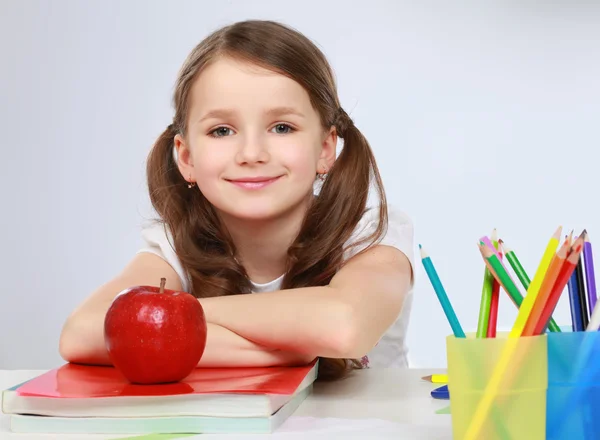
(202, 244)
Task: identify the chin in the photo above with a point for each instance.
(261, 211)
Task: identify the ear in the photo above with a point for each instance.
(184, 158)
(328, 150)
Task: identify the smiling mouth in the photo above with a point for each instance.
(254, 182)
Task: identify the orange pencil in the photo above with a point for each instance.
(546, 288)
(565, 273)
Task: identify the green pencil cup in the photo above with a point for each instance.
(498, 387)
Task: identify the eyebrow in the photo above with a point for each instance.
(272, 112)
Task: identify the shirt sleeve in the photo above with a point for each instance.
(158, 240)
(399, 234)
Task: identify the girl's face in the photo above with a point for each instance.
(254, 142)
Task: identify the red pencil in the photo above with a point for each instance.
(493, 318)
(561, 281)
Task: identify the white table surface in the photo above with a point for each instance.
(397, 395)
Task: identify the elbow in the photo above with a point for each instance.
(66, 347)
(69, 344)
(75, 346)
(349, 340)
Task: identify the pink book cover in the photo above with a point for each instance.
(84, 381)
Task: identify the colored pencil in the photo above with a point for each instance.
(554, 270)
(485, 305)
(535, 285)
(574, 304)
(500, 273)
(566, 270)
(515, 264)
(594, 324)
(436, 378)
(488, 243)
(590, 276)
(581, 361)
(493, 318)
(523, 277)
(585, 318)
(441, 294)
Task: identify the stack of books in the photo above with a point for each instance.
(99, 400)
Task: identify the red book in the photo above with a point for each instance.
(96, 391)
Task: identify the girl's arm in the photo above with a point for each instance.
(343, 320)
(82, 337)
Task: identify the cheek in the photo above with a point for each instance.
(301, 159)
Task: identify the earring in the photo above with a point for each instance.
(322, 176)
(190, 183)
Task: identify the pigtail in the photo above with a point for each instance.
(318, 252)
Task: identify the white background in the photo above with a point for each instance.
(481, 115)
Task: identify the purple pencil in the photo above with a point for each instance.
(589, 272)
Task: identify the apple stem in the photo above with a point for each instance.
(162, 285)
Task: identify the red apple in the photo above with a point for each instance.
(155, 335)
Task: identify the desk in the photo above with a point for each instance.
(397, 395)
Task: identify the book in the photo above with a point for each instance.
(74, 390)
(22, 423)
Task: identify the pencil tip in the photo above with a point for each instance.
(419, 245)
(494, 235)
(558, 232)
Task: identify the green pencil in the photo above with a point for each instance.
(484, 305)
(523, 277)
(503, 277)
(486, 297)
(516, 265)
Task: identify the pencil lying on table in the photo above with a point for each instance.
(436, 378)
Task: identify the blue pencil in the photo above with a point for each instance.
(441, 294)
(574, 302)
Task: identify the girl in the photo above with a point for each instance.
(284, 270)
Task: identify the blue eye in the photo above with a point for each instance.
(220, 132)
(282, 129)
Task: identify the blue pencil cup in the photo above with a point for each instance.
(573, 395)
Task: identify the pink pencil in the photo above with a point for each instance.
(489, 244)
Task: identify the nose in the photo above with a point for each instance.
(252, 149)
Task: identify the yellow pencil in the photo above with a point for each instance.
(436, 378)
(506, 358)
(536, 283)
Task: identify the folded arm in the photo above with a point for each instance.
(344, 319)
(82, 336)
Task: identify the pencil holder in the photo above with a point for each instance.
(573, 386)
(498, 387)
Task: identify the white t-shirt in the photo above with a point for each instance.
(391, 350)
